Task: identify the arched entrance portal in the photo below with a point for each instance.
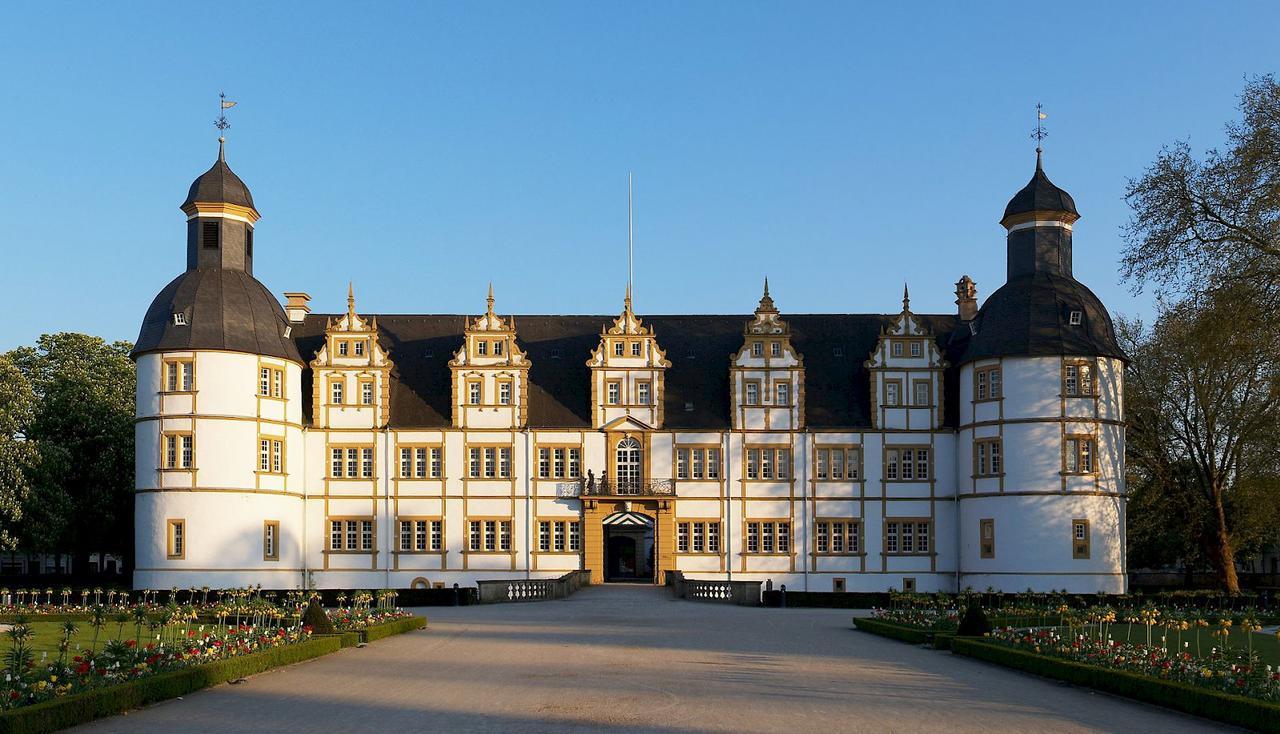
(628, 547)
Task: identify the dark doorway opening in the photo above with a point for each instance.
(628, 548)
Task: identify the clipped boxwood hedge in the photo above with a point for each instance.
(60, 713)
(896, 631)
(394, 627)
(1206, 702)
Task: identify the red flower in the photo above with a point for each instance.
(82, 668)
(131, 643)
(13, 695)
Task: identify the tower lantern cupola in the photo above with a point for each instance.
(220, 219)
(1039, 219)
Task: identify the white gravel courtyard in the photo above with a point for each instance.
(631, 659)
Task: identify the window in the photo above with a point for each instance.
(618, 349)
(1080, 539)
(351, 462)
(504, 392)
(271, 455)
(907, 537)
(489, 462)
(892, 392)
(987, 538)
(179, 375)
(179, 451)
(421, 535)
(335, 391)
(473, 392)
(613, 392)
(921, 389)
(1077, 379)
(210, 235)
(344, 348)
(907, 464)
(838, 537)
(769, 537)
(179, 318)
(420, 462)
(752, 392)
(988, 459)
(1076, 318)
(482, 347)
(635, 349)
(698, 463)
(916, 349)
(351, 535)
(837, 463)
(697, 536)
(177, 544)
(359, 347)
(768, 464)
(497, 348)
(248, 245)
(775, 349)
(1077, 455)
(782, 393)
(986, 383)
(489, 536)
(642, 393)
(271, 540)
(559, 536)
(366, 392)
(757, 349)
(897, 348)
(559, 462)
(271, 382)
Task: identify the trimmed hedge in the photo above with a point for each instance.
(60, 713)
(913, 635)
(1210, 704)
(394, 627)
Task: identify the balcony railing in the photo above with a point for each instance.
(627, 488)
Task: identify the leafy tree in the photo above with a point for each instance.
(18, 456)
(1203, 403)
(82, 485)
(1201, 224)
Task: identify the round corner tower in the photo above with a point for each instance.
(219, 411)
(1040, 457)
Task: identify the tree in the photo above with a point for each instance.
(82, 486)
(1198, 225)
(18, 456)
(1203, 404)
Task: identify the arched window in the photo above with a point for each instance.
(628, 466)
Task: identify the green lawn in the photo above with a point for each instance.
(1266, 645)
(45, 636)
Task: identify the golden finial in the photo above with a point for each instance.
(766, 302)
(906, 297)
(489, 300)
(351, 299)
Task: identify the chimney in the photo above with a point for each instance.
(296, 307)
(967, 298)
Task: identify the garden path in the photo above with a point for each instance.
(631, 659)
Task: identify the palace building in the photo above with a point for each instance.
(860, 452)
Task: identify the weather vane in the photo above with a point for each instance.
(1039, 134)
(223, 105)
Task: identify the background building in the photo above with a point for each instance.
(983, 448)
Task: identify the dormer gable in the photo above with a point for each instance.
(351, 370)
(766, 373)
(490, 374)
(627, 371)
(906, 369)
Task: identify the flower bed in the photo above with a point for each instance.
(1193, 698)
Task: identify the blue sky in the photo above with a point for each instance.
(422, 150)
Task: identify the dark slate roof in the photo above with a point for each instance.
(834, 347)
(225, 309)
(1029, 317)
(219, 184)
(1040, 194)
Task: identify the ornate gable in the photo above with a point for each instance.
(351, 369)
(490, 374)
(767, 374)
(627, 371)
(906, 373)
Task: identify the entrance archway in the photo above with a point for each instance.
(628, 547)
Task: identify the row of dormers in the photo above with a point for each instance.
(490, 374)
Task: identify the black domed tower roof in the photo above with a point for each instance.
(217, 303)
(1041, 310)
(1039, 195)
